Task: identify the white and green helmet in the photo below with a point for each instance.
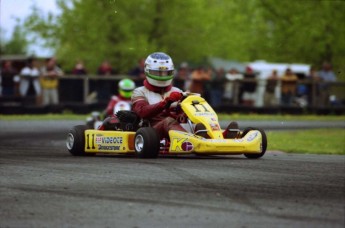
(126, 87)
(159, 69)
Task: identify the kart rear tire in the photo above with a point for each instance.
(146, 143)
(263, 143)
(75, 141)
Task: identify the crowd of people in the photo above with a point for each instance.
(240, 88)
(45, 80)
(218, 86)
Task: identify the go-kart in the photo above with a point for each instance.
(132, 135)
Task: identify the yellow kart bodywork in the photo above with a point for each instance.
(117, 142)
(145, 141)
(122, 142)
(185, 143)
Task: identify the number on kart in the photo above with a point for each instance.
(196, 108)
(92, 141)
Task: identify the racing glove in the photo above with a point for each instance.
(173, 97)
(145, 110)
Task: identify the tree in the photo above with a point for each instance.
(17, 44)
(125, 31)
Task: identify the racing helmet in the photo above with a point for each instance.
(126, 87)
(159, 69)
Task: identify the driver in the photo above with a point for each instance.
(123, 100)
(152, 101)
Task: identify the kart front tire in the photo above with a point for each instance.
(146, 143)
(75, 140)
(263, 143)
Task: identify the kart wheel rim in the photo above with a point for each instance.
(139, 143)
(70, 141)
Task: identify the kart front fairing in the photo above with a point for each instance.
(186, 143)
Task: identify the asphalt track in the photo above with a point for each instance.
(42, 185)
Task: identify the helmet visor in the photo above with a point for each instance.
(161, 72)
(126, 93)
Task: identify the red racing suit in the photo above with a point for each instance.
(151, 103)
(116, 104)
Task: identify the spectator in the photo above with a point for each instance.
(9, 79)
(79, 68)
(313, 88)
(200, 77)
(103, 88)
(29, 75)
(302, 91)
(76, 85)
(248, 85)
(288, 87)
(182, 76)
(217, 88)
(327, 76)
(270, 98)
(230, 85)
(50, 74)
(138, 72)
(105, 69)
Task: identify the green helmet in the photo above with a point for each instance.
(126, 87)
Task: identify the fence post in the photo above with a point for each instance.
(86, 88)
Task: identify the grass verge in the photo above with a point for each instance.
(279, 117)
(315, 141)
(44, 117)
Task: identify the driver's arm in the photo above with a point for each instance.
(145, 110)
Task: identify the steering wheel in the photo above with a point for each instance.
(178, 115)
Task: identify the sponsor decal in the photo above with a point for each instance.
(187, 146)
(108, 140)
(98, 139)
(238, 140)
(204, 114)
(252, 136)
(214, 126)
(181, 144)
(100, 147)
(217, 140)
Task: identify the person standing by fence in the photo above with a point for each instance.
(50, 74)
(271, 85)
(288, 87)
(327, 76)
(29, 75)
(8, 79)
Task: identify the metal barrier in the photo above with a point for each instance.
(81, 89)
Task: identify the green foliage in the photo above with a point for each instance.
(17, 44)
(317, 141)
(125, 31)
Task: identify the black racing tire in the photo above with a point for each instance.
(263, 144)
(146, 143)
(75, 141)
